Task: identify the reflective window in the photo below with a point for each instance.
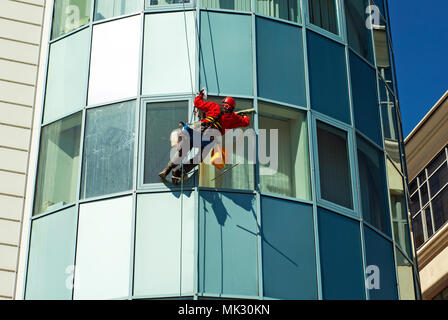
(52, 253)
(168, 66)
(226, 68)
(372, 176)
(398, 207)
(150, 3)
(428, 219)
(440, 209)
(289, 258)
(161, 119)
(323, 13)
(328, 77)
(70, 15)
(228, 244)
(57, 180)
(105, 9)
(239, 5)
(114, 60)
(108, 165)
(413, 186)
(241, 172)
(103, 249)
(424, 193)
(437, 162)
(342, 270)
(288, 10)
(380, 255)
(382, 52)
(281, 72)
(359, 37)
(291, 175)
(164, 260)
(438, 180)
(67, 82)
(334, 167)
(365, 99)
(415, 203)
(417, 227)
(405, 277)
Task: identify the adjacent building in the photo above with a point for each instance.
(20, 39)
(329, 221)
(427, 154)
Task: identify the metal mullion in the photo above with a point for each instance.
(137, 131)
(196, 188)
(280, 20)
(369, 63)
(66, 35)
(115, 18)
(285, 104)
(62, 117)
(256, 168)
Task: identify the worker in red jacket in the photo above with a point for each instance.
(219, 117)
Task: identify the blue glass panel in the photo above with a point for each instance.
(226, 53)
(380, 255)
(228, 244)
(289, 260)
(328, 77)
(365, 99)
(341, 257)
(280, 63)
(52, 256)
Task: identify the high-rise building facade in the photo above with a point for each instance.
(427, 155)
(322, 214)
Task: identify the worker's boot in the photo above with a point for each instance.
(178, 176)
(167, 170)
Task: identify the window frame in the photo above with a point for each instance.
(354, 212)
(159, 186)
(340, 17)
(166, 7)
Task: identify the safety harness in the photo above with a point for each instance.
(215, 122)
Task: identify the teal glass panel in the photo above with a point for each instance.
(239, 5)
(381, 280)
(289, 260)
(280, 63)
(108, 165)
(70, 15)
(328, 77)
(67, 76)
(365, 99)
(105, 9)
(405, 277)
(372, 176)
(226, 53)
(52, 257)
(227, 244)
(359, 36)
(341, 257)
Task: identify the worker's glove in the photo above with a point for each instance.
(203, 93)
(242, 114)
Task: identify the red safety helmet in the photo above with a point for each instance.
(229, 101)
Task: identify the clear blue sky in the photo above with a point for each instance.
(420, 41)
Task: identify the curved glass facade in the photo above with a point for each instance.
(330, 222)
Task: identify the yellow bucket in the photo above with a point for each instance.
(219, 158)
